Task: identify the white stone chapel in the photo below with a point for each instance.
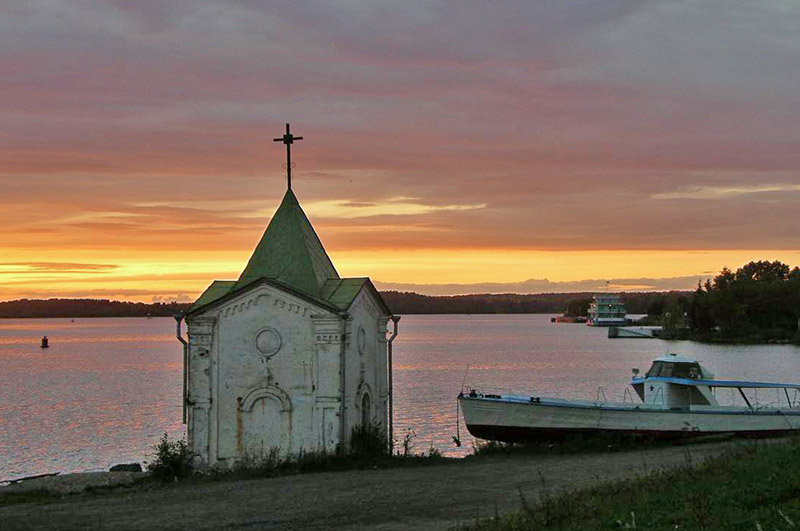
(289, 357)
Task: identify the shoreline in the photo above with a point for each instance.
(71, 483)
(435, 497)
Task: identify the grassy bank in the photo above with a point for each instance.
(755, 488)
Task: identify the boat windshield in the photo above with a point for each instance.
(669, 369)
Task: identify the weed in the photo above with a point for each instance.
(368, 440)
(433, 453)
(408, 444)
(491, 447)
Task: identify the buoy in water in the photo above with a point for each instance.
(45, 343)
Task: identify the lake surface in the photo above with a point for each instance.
(107, 389)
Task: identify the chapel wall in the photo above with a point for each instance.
(201, 335)
(264, 377)
(366, 362)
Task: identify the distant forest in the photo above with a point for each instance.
(87, 308)
(400, 302)
(757, 303)
(570, 303)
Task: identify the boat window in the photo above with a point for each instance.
(686, 370)
(674, 370)
(655, 370)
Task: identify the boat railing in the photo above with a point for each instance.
(600, 392)
(626, 395)
(498, 392)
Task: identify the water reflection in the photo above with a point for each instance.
(107, 389)
(103, 393)
(527, 353)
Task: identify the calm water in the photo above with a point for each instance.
(107, 389)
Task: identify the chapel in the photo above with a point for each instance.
(289, 357)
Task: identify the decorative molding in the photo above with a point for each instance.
(260, 298)
(203, 340)
(291, 307)
(272, 391)
(329, 338)
(201, 331)
(327, 329)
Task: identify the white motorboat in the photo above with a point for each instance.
(678, 397)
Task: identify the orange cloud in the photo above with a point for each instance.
(465, 144)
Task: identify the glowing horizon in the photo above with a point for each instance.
(444, 145)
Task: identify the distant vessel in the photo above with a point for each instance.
(678, 399)
(568, 319)
(648, 332)
(606, 310)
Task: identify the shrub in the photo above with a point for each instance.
(368, 440)
(486, 447)
(171, 459)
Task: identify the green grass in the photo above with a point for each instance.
(581, 444)
(312, 462)
(31, 496)
(757, 487)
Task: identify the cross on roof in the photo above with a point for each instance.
(288, 139)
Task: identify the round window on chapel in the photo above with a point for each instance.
(268, 342)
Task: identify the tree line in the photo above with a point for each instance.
(573, 304)
(760, 301)
(757, 303)
(87, 308)
(399, 302)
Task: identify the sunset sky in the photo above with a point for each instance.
(450, 147)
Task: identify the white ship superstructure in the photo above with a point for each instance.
(606, 310)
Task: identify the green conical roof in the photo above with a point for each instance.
(290, 252)
(291, 257)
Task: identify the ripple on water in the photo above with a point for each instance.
(107, 389)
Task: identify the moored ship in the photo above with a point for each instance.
(606, 310)
(677, 398)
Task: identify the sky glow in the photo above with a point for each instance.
(448, 146)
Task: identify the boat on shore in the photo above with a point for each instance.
(677, 398)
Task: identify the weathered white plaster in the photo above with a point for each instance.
(265, 374)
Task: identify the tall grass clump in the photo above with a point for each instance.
(369, 440)
(170, 459)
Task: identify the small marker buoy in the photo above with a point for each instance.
(45, 343)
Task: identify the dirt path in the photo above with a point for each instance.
(435, 497)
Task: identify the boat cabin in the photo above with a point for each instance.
(665, 383)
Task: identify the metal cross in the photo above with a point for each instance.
(288, 139)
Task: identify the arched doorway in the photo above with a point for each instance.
(264, 426)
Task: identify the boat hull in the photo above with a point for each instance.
(552, 419)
